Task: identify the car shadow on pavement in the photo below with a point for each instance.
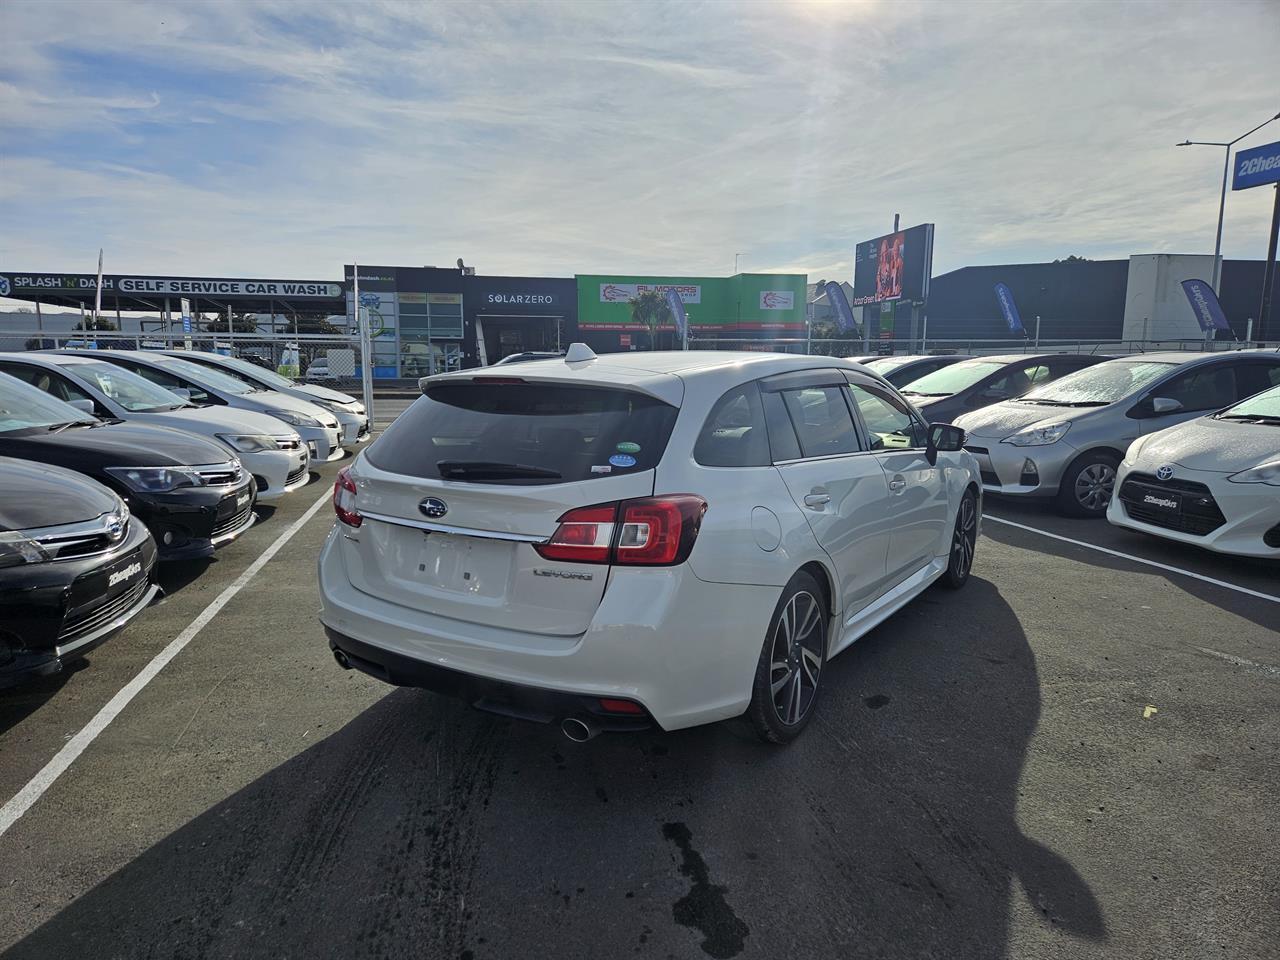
(423, 828)
(1254, 574)
(20, 701)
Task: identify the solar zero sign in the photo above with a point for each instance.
(1257, 166)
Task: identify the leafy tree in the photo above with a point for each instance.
(651, 311)
(240, 322)
(1072, 258)
(88, 323)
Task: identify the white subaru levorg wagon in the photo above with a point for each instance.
(637, 539)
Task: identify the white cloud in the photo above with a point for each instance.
(281, 139)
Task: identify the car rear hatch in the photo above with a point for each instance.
(455, 495)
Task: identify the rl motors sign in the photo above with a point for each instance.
(622, 292)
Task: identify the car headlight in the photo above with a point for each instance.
(249, 444)
(1038, 436)
(156, 479)
(1268, 473)
(293, 418)
(16, 548)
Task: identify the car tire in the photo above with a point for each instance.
(1087, 485)
(964, 542)
(784, 694)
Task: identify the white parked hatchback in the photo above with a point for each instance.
(639, 539)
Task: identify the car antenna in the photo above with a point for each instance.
(579, 352)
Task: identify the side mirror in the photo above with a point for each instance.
(84, 406)
(945, 438)
(1163, 405)
(183, 392)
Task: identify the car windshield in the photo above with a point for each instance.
(136, 394)
(250, 371)
(1261, 406)
(1099, 385)
(222, 380)
(24, 407)
(525, 433)
(954, 378)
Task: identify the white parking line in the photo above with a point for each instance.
(63, 759)
(1130, 557)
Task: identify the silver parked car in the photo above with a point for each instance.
(1066, 439)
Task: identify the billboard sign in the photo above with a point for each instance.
(1204, 304)
(777, 299)
(622, 292)
(896, 266)
(1009, 309)
(1257, 166)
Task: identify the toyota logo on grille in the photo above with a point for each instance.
(1164, 473)
(433, 507)
(115, 527)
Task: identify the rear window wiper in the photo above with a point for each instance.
(492, 470)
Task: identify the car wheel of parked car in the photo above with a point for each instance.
(785, 691)
(1087, 485)
(964, 540)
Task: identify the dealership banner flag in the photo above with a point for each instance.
(677, 312)
(1204, 304)
(840, 307)
(1009, 309)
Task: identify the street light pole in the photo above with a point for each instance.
(1222, 199)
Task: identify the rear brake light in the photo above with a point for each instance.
(650, 531)
(344, 498)
(584, 535)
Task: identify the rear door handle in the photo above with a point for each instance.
(816, 499)
(896, 484)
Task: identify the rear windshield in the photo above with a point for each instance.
(524, 433)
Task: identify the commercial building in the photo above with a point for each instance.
(747, 306)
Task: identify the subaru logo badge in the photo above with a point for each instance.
(433, 507)
(1164, 473)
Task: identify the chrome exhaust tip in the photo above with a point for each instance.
(579, 729)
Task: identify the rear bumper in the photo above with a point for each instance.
(523, 702)
(684, 649)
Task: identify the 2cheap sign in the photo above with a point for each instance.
(1257, 166)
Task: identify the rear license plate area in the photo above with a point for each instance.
(464, 565)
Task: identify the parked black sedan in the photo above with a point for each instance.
(902, 369)
(75, 568)
(182, 486)
(972, 384)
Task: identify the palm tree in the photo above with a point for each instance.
(651, 311)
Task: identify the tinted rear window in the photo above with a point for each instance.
(490, 433)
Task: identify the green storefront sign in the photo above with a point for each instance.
(747, 301)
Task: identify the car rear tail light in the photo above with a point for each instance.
(584, 535)
(650, 531)
(344, 498)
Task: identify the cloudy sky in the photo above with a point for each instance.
(286, 138)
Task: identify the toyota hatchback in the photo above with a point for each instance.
(640, 539)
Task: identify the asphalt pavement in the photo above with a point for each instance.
(1074, 756)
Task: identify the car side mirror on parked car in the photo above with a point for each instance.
(84, 406)
(183, 392)
(1163, 405)
(945, 438)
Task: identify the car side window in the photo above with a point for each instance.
(890, 425)
(51, 383)
(734, 434)
(822, 420)
(1253, 378)
(1018, 380)
(1204, 389)
(783, 444)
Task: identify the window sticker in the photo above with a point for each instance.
(626, 446)
(622, 460)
